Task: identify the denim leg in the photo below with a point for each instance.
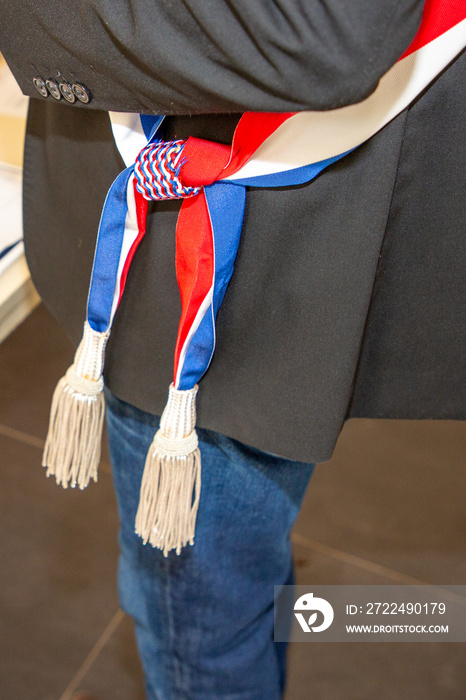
(204, 618)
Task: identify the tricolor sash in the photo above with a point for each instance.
(268, 150)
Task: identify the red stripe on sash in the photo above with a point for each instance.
(438, 17)
(194, 264)
(207, 161)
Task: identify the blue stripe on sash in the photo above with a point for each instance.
(287, 178)
(107, 254)
(225, 202)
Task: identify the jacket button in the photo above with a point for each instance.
(81, 92)
(40, 86)
(53, 88)
(67, 92)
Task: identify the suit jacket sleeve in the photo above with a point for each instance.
(204, 56)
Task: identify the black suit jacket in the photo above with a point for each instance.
(346, 296)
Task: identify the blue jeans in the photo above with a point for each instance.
(204, 618)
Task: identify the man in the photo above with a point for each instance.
(343, 301)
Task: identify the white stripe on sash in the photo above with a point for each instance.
(130, 235)
(128, 134)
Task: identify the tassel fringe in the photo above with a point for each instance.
(171, 483)
(73, 444)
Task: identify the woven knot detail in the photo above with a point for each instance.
(157, 169)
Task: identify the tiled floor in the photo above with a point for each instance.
(388, 508)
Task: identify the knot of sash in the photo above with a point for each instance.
(178, 169)
(157, 170)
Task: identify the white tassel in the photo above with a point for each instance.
(73, 444)
(171, 483)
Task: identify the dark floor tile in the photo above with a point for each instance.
(32, 360)
(58, 560)
(313, 567)
(377, 671)
(394, 494)
(117, 674)
(367, 671)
